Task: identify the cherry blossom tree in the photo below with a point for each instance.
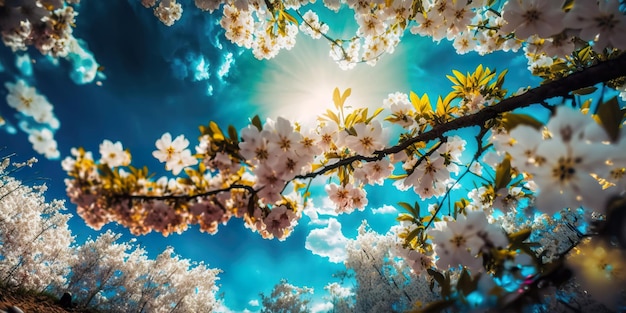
(38, 253)
(286, 297)
(35, 241)
(483, 250)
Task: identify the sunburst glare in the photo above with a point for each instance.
(299, 85)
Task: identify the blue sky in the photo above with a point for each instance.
(163, 79)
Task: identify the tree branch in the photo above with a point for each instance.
(186, 197)
(601, 72)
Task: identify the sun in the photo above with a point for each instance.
(299, 84)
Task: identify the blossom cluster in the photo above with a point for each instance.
(572, 161)
(228, 177)
(45, 24)
(258, 29)
(167, 11)
(460, 241)
(38, 252)
(545, 30)
(29, 103)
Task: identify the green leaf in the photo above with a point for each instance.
(438, 277)
(465, 283)
(443, 281)
(610, 117)
(520, 236)
(232, 133)
(405, 218)
(512, 120)
(256, 122)
(435, 307)
(413, 211)
(413, 234)
(585, 91)
(503, 173)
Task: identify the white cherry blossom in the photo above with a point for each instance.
(533, 17)
(254, 144)
(459, 241)
(282, 137)
(368, 138)
(599, 21)
(113, 154)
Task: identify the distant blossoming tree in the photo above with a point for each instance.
(286, 298)
(526, 177)
(35, 241)
(38, 252)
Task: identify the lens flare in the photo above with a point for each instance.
(299, 85)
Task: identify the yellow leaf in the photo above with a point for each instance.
(217, 132)
(441, 106)
(486, 79)
(459, 76)
(479, 70)
(337, 99)
(350, 120)
(421, 105)
(315, 166)
(363, 116)
(345, 95)
(415, 101)
(453, 80)
(585, 106)
(374, 115)
(289, 17)
(298, 185)
(332, 116)
(568, 5)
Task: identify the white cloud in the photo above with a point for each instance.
(321, 307)
(328, 242)
(336, 290)
(221, 308)
(328, 207)
(253, 303)
(311, 212)
(385, 209)
(314, 212)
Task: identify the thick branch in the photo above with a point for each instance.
(186, 197)
(601, 72)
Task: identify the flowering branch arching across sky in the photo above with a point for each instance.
(477, 251)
